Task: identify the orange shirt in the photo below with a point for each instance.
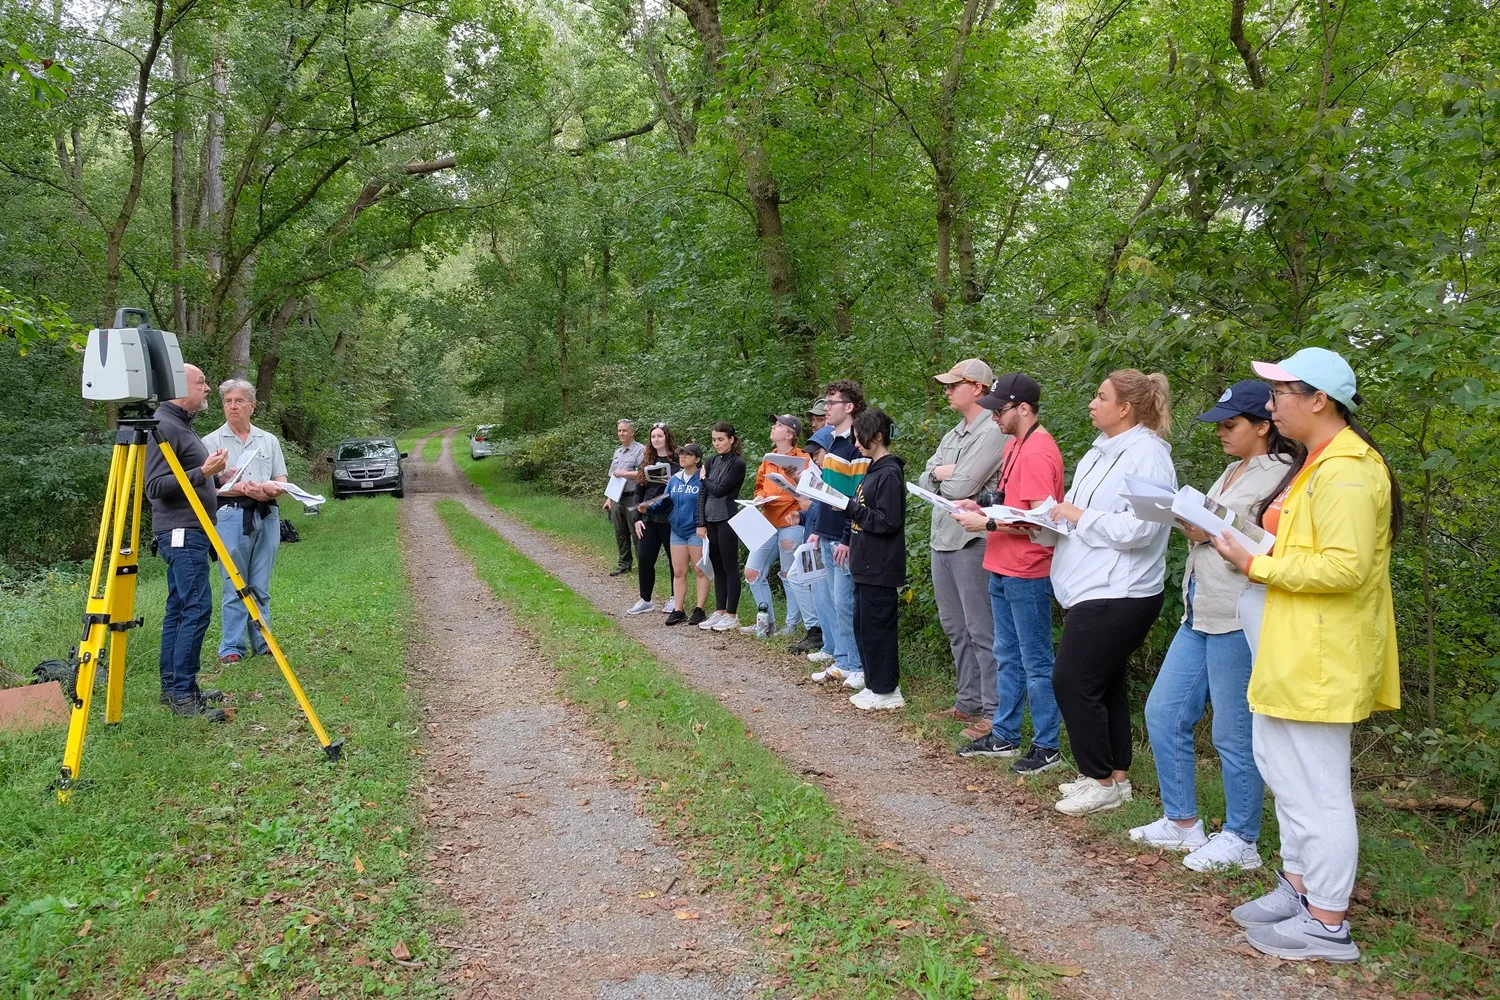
(1271, 519)
(784, 508)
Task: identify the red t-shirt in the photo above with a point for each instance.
(1032, 473)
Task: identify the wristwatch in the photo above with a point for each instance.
(991, 525)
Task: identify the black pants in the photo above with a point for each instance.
(656, 538)
(875, 636)
(1089, 678)
(724, 554)
(624, 514)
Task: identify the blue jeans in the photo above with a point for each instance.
(1023, 659)
(254, 555)
(785, 541)
(840, 613)
(1200, 668)
(190, 605)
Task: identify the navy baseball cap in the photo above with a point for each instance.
(1243, 399)
(822, 437)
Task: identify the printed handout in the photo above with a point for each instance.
(1151, 502)
(1036, 517)
(938, 501)
(615, 488)
(239, 470)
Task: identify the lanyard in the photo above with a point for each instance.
(1015, 457)
(1085, 505)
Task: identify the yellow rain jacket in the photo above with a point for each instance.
(1328, 639)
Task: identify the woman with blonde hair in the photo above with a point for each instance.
(1108, 573)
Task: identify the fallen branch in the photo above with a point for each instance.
(1454, 802)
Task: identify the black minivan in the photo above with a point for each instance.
(368, 465)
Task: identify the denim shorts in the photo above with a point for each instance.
(690, 540)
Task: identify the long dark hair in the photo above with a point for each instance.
(870, 424)
(726, 428)
(1398, 513)
(1278, 445)
(671, 452)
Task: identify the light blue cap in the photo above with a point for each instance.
(1318, 367)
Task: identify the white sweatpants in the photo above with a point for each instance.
(1306, 766)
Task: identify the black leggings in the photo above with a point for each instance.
(724, 554)
(1089, 678)
(875, 618)
(656, 539)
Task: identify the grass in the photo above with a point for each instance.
(1428, 897)
(229, 860)
(843, 918)
(408, 440)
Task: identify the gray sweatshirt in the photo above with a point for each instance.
(169, 504)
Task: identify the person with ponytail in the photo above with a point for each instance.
(1327, 654)
(1209, 660)
(1108, 573)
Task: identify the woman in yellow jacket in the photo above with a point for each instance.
(1327, 654)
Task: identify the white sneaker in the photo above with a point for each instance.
(1223, 852)
(1090, 797)
(856, 680)
(756, 631)
(1124, 786)
(711, 620)
(829, 673)
(670, 606)
(726, 622)
(818, 656)
(868, 701)
(641, 607)
(1165, 833)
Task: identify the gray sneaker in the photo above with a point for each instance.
(1301, 937)
(1272, 908)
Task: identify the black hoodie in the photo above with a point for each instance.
(877, 516)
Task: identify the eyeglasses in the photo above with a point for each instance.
(1278, 393)
(837, 402)
(965, 381)
(1006, 408)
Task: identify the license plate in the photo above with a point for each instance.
(366, 485)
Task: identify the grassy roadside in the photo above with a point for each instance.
(1427, 907)
(844, 919)
(230, 860)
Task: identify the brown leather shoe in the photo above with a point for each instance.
(978, 730)
(954, 713)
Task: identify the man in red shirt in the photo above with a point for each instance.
(1031, 471)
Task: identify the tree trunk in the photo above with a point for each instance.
(562, 339)
(1112, 266)
(239, 340)
(270, 352)
(179, 142)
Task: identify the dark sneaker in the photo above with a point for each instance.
(989, 746)
(675, 618)
(810, 642)
(698, 617)
(199, 708)
(1037, 760)
(214, 696)
(230, 658)
(620, 571)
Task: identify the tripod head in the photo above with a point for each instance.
(133, 364)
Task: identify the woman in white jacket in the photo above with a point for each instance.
(1108, 574)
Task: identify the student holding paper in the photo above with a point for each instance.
(623, 466)
(1108, 574)
(722, 478)
(877, 562)
(1327, 656)
(682, 522)
(652, 528)
(784, 511)
(843, 467)
(1209, 660)
(813, 598)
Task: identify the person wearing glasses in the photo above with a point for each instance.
(1209, 659)
(965, 464)
(1327, 655)
(653, 532)
(1020, 584)
(843, 467)
(625, 464)
(1109, 572)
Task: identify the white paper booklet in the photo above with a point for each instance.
(814, 488)
(298, 493)
(792, 462)
(753, 528)
(239, 470)
(1036, 517)
(757, 502)
(1215, 518)
(937, 500)
(615, 488)
(807, 564)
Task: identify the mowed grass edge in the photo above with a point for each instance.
(233, 860)
(841, 917)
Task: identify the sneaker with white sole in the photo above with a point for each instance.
(855, 680)
(641, 607)
(1090, 797)
(1272, 908)
(1225, 851)
(818, 656)
(670, 606)
(711, 621)
(828, 673)
(756, 631)
(1126, 793)
(1037, 760)
(989, 745)
(726, 622)
(868, 701)
(1302, 937)
(1166, 833)
(787, 630)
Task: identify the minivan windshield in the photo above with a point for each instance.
(365, 449)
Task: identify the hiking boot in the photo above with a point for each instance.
(952, 713)
(1090, 797)
(1037, 760)
(641, 607)
(989, 745)
(1272, 908)
(197, 707)
(1302, 936)
(619, 571)
(977, 730)
(675, 618)
(1165, 833)
(1225, 851)
(698, 617)
(809, 643)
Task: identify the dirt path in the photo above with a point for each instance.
(547, 857)
(1050, 898)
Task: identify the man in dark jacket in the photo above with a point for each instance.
(184, 545)
(877, 561)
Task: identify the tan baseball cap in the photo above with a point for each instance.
(972, 370)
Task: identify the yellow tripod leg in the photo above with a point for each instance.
(331, 747)
(122, 606)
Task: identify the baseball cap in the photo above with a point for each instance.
(795, 423)
(690, 449)
(971, 370)
(818, 409)
(822, 437)
(1012, 388)
(1318, 367)
(1247, 398)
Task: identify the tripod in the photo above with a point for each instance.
(107, 617)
